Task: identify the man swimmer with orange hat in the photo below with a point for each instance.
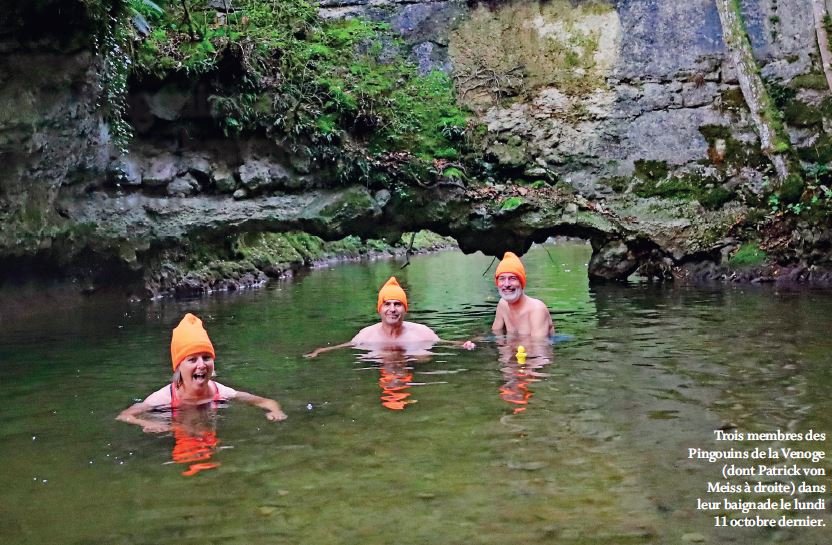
(517, 313)
(192, 357)
(392, 329)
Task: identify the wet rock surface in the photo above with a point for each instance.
(607, 153)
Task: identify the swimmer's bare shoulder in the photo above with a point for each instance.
(421, 332)
(541, 318)
(538, 305)
(367, 334)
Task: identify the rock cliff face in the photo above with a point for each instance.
(648, 76)
(607, 111)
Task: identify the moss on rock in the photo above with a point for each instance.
(748, 255)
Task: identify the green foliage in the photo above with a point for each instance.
(512, 203)
(113, 45)
(813, 80)
(809, 195)
(779, 94)
(651, 170)
(791, 189)
(748, 255)
(143, 13)
(453, 173)
(321, 85)
(733, 99)
(731, 153)
(715, 198)
(654, 181)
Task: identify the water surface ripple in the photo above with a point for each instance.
(586, 443)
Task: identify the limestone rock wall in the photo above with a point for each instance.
(662, 75)
(51, 136)
(585, 93)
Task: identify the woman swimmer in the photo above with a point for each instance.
(192, 355)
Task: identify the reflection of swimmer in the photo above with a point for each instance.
(520, 368)
(517, 313)
(192, 356)
(393, 330)
(396, 371)
(195, 436)
(394, 380)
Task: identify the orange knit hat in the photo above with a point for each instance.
(511, 264)
(391, 290)
(189, 337)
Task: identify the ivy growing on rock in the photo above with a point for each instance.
(341, 92)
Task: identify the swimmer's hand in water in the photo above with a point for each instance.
(155, 427)
(133, 413)
(273, 411)
(276, 416)
(469, 345)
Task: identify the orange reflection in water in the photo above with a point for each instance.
(395, 370)
(195, 438)
(517, 375)
(516, 387)
(394, 381)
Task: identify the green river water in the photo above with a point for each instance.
(586, 443)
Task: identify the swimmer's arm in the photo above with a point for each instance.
(358, 339)
(132, 415)
(273, 411)
(499, 325)
(323, 349)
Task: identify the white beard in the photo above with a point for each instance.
(513, 298)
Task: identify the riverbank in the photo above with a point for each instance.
(248, 262)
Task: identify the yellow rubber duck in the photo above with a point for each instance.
(521, 355)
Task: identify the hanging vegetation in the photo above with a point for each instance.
(338, 91)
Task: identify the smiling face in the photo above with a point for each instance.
(196, 370)
(392, 312)
(509, 287)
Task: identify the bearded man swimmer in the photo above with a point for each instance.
(517, 313)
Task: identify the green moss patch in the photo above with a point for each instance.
(748, 255)
(814, 80)
(819, 152)
(651, 170)
(512, 203)
(653, 181)
(724, 149)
